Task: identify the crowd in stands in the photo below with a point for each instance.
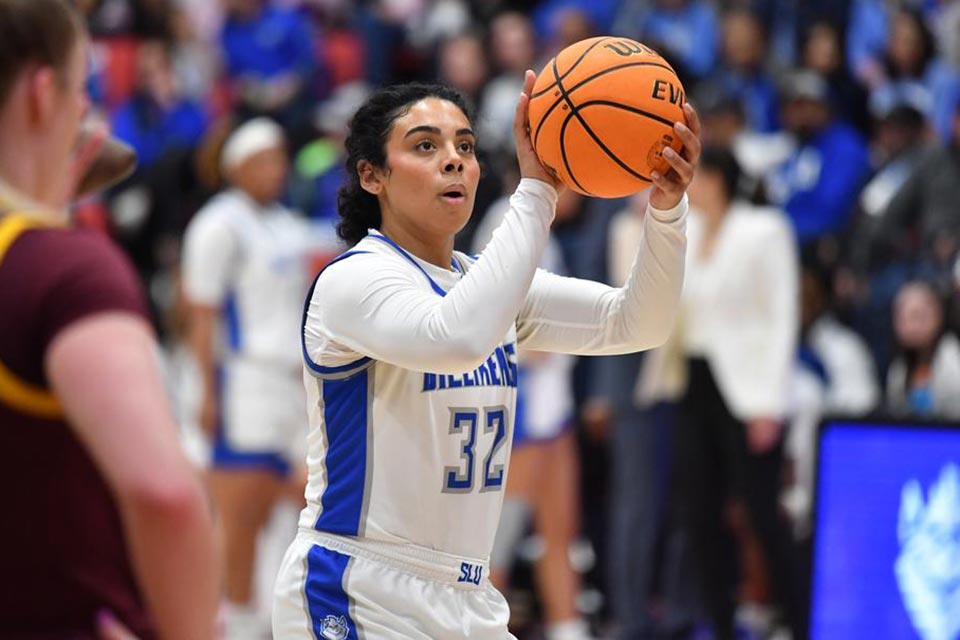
(840, 118)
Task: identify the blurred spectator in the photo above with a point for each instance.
(572, 25)
(318, 170)
(725, 126)
(685, 32)
(834, 375)
(550, 15)
(922, 219)
(463, 65)
(818, 184)
(271, 61)
(158, 118)
(914, 74)
(140, 18)
(730, 361)
(822, 52)
(899, 145)
(742, 72)
(513, 47)
(787, 21)
(194, 59)
(437, 21)
(924, 378)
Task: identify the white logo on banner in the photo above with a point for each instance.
(928, 568)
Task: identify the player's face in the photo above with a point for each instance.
(432, 170)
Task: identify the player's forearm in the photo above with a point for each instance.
(651, 295)
(171, 539)
(486, 301)
(202, 325)
(376, 310)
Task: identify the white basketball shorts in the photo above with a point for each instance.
(336, 588)
(263, 418)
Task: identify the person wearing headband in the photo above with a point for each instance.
(106, 529)
(245, 269)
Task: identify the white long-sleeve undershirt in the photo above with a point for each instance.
(376, 305)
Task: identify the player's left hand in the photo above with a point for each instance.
(668, 188)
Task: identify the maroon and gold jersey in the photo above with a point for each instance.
(63, 555)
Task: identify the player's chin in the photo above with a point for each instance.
(455, 213)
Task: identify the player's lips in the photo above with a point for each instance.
(454, 193)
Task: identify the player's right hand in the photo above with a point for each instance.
(530, 166)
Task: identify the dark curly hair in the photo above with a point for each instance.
(360, 210)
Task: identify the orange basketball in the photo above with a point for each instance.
(601, 113)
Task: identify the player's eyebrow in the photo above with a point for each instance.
(425, 128)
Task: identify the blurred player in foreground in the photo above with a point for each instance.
(411, 369)
(105, 524)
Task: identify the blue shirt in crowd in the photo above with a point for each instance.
(688, 35)
(818, 185)
(153, 130)
(274, 43)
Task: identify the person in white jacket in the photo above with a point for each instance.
(730, 363)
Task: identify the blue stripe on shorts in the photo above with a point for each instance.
(327, 601)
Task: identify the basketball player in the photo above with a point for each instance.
(105, 525)
(245, 266)
(411, 369)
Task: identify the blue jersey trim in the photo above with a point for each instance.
(303, 323)
(345, 420)
(436, 288)
(232, 317)
(327, 601)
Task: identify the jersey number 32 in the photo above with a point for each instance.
(465, 422)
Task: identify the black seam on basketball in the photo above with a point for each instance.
(617, 105)
(563, 129)
(575, 111)
(570, 70)
(536, 134)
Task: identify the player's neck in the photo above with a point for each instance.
(21, 188)
(437, 252)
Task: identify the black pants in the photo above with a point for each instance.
(712, 465)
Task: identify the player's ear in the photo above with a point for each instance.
(43, 94)
(370, 178)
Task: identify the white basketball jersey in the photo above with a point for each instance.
(411, 370)
(252, 261)
(406, 456)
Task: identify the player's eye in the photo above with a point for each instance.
(466, 147)
(425, 145)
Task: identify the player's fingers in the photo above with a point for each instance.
(691, 143)
(529, 79)
(520, 120)
(683, 168)
(665, 182)
(693, 118)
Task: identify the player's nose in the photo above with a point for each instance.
(452, 162)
